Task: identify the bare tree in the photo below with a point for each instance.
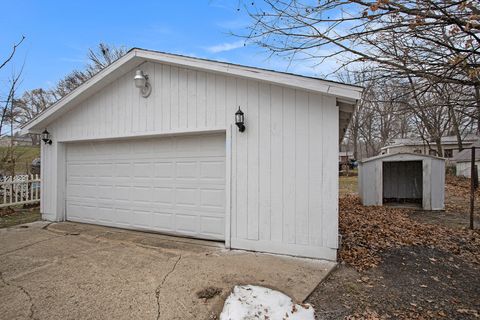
(431, 39)
(11, 84)
(425, 54)
(37, 100)
(12, 53)
(31, 104)
(7, 156)
(99, 58)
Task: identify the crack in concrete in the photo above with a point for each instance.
(25, 292)
(157, 291)
(29, 245)
(45, 227)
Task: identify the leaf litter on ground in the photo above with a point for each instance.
(368, 230)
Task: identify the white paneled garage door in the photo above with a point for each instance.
(173, 185)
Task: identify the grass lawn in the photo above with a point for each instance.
(24, 154)
(348, 185)
(19, 217)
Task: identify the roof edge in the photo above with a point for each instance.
(381, 156)
(349, 93)
(129, 56)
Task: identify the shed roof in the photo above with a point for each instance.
(347, 95)
(407, 154)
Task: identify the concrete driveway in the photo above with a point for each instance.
(77, 271)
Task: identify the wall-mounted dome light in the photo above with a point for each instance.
(141, 82)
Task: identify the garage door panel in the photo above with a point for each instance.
(164, 169)
(175, 184)
(186, 197)
(105, 214)
(211, 225)
(143, 219)
(105, 192)
(164, 195)
(122, 169)
(142, 170)
(82, 212)
(82, 191)
(122, 193)
(187, 223)
(123, 217)
(163, 220)
(212, 170)
(212, 198)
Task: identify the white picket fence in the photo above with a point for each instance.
(19, 189)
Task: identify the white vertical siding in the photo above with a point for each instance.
(252, 160)
(316, 184)
(283, 167)
(302, 168)
(264, 163)
(438, 185)
(276, 156)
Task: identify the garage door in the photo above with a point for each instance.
(173, 185)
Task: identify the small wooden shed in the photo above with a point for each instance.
(403, 179)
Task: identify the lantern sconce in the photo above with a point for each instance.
(240, 119)
(142, 83)
(46, 137)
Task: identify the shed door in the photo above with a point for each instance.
(403, 181)
(172, 185)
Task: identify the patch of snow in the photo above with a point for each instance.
(254, 302)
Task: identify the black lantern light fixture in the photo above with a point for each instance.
(240, 120)
(46, 137)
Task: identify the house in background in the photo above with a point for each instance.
(345, 156)
(345, 160)
(463, 161)
(415, 145)
(158, 142)
(20, 140)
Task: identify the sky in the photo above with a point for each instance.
(59, 34)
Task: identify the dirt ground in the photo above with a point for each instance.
(411, 283)
(403, 263)
(9, 218)
(457, 202)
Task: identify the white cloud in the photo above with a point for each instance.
(227, 46)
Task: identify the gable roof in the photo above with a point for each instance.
(400, 155)
(347, 95)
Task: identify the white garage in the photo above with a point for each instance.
(199, 148)
(174, 185)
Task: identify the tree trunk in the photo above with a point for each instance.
(354, 136)
(355, 148)
(438, 142)
(456, 130)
